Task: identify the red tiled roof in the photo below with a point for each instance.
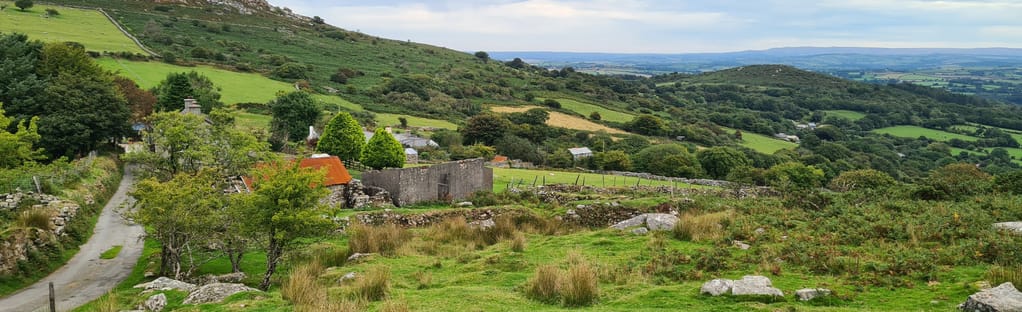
(336, 173)
(499, 158)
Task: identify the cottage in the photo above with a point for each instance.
(411, 156)
(580, 152)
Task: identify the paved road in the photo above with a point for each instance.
(87, 277)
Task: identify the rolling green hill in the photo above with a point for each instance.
(88, 27)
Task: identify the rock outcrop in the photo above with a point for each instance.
(1002, 298)
(166, 283)
(155, 303)
(807, 294)
(215, 292)
(749, 285)
(652, 221)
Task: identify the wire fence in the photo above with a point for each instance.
(48, 178)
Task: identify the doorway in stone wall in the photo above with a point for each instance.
(443, 191)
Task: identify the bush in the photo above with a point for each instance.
(580, 287)
(291, 70)
(372, 285)
(383, 239)
(52, 12)
(1009, 183)
(383, 151)
(552, 103)
(545, 285)
(343, 138)
(866, 179)
(955, 181)
(595, 116)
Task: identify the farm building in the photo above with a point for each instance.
(580, 152)
(411, 156)
(447, 181)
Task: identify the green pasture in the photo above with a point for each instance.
(762, 143)
(88, 27)
(502, 177)
(915, 132)
(846, 114)
(386, 119)
(585, 109)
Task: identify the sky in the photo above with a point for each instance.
(677, 26)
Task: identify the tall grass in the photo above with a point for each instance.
(699, 227)
(373, 285)
(580, 287)
(394, 306)
(545, 285)
(108, 303)
(998, 275)
(35, 218)
(302, 289)
(384, 239)
(517, 242)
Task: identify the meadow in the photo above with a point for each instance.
(88, 27)
(762, 143)
(502, 177)
(585, 109)
(847, 114)
(916, 131)
(387, 119)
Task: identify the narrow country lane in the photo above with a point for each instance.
(87, 277)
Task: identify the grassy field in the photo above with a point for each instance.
(762, 143)
(585, 109)
(1016, 153)
(502, 177)
(385, 119)
(847, 114)
(88, 27)
(235, 87)
(915, 132)
(562, 120)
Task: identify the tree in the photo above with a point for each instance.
(403, 121)
(535, 116)
(181, 144)
(1010, 182)
(955, 181)
(23, 4)
(292, 113)
(343, 138)
(719, 161)
(16, 148)
(671, 160)
(613, 160)
(794, 175)
(552, 103)
(52, 12)
(516, 147)
(647, 125)
(483, 56)
(291, 70)
(141, 103)
(864, 179)
(595, 116)
(383, 151)
(318, 20)
(284, 207)
(177, 214)
(485, 128)
(172, 91)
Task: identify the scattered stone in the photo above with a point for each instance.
(1015, 227)
(155, 303)
(754, 285)
(661, 221)
(633, 222)
(740, 245)
(640, 231)
(580, 206)
(716, 287)
(166, 283)
(1001, 298)
(347, 277)
(464, 204)
(358, 257)
(215, 292)
(807, 294)
(148, 274)
(483, 224)
(760, 231)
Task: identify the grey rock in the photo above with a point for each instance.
(754, 285)
(660, 221)
(464, 204)
(807, 294)
(1002, 298)
(740, 245)
(215, 292)
(356, 257)
(716, 287)
(640, 231)
(155, 303)
(166, 283)
(760, 231)
(1015, 227)
(580, 206)
(225, 278)
(638, 220)
(483, 224)
(347, 277)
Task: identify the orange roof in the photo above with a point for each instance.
(336, 173)
(499, 158)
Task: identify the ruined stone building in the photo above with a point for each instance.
(442, 182)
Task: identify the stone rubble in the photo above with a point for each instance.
(215, 292)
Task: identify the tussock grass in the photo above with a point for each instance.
(580, 287)
(998, 275)
(384, 239)
(517, 242)
(545, 285)
(700, 227)
(302, 288)
(423, 278)
(373, 285)
(394, 306)
(35, 218)
(108, 303)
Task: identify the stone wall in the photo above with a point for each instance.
(442, 182)
(19, 242)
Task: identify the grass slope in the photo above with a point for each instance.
(385, 119)
(847, 114)
(502, 177)
(88, 27)
(562, 120)
(915, 132)
(762, 143)
(586, 108)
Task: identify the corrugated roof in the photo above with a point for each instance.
(580, 150)
(336, 173)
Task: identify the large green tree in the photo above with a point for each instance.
(383, 151)
(16, 148)
(293, 113)
(719, 161)
(284, 206)
(343, 138)
(485, 128)
(20, 86)
(671, 160)
(173, 90)
(181, 144)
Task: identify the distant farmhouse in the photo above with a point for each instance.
(580, 152)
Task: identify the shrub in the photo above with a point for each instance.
(424, 279)
(595, 116)
(343, 138)
(52, 12)
(35, 218)
(373, 285)
(552, 103)
(545, 285)
(866, 179)
(580, 287)
(1009, 182)
(383, 151)
(956, 181)
(383, 239)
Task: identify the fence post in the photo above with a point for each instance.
(38, 189)
(53, 299)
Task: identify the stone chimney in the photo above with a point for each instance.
(192, 107)
(312, 139)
